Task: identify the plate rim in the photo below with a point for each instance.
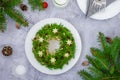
(76, 57)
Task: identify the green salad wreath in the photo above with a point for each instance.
(54, 59)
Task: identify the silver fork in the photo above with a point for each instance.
(99, 4)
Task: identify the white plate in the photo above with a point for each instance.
(31, 35)
(111, 11)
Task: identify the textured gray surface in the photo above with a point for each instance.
(88, 30)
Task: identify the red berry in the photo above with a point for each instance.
(45, 4)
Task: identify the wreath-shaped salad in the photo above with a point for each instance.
(54, 46)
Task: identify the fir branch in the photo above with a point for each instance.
(36, 4)
(32, 3)
(86, 75)
(111, 78)
(104, 43)
(93, 62)
(7, 7)
(118, 64)
(12, 3)
(105, 63)
(2, 21)
(95, 71)
(39, 3)
(115, 49)
(100, 57)
(17, 16)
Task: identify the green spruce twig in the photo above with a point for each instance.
(36, 4)
(7, 7)
(105, 62)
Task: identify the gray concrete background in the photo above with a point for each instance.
(88, 30)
